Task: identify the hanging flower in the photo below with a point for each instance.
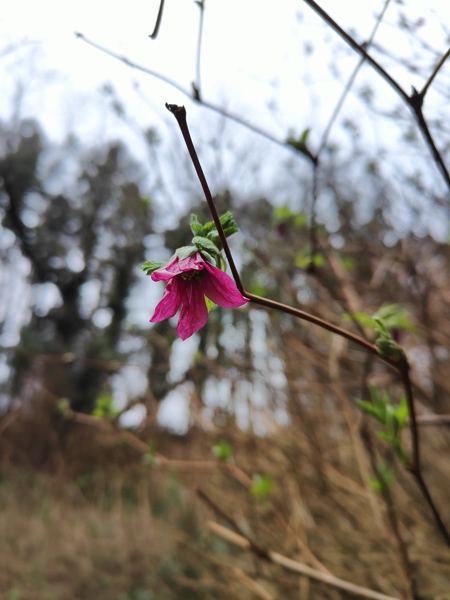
(192, 281)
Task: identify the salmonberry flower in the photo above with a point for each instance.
(191, 282)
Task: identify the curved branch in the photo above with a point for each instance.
(414, 101)
(194, 97)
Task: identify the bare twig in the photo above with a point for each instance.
(415, 467)
(154, 35)
(188, 93)
(414, 101)
(433, 420)
(350, 81)
(198, 84)
(297, 567)
(434, 73)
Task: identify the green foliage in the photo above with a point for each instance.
(395, 316)
(209, 230)
(205, 245)
(63, 408)
(104, 406)
(150, 266)
(281, 214)
(185, 251)
(209, 304)
(149, 458)
(304, 258)
(386, 345)
(223, 450)
(388, 317)
(348, 263)
(262, 485)
(301, 146)
(392, 417)
(385, 477)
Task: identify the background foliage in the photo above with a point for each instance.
(264, 411)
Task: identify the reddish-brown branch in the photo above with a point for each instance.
(401, 365)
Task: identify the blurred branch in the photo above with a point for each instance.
(415, 467)
(350, 81)
(415, 101)
(197, 86)
(154, 35)
(295, 566)
(433, 420)
(434, 73)
(192, 96)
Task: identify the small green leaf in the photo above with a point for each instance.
(262, 485)
(207, 256)
(348, 263)
(363, 319)
(203, 243)
(229, 224)
(282, 213)
(300, 220)
(401, 412)
(387, 437)
(223, 450)
(185, 252)
(209, 304)
(300, 145)
(371, 409)
(394, 316)
(390, 349)
(196, 226)
(63, 408)
(150, 266)
(104, 406)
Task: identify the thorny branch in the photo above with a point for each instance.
(400, 365)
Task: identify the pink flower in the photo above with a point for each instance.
(189, 281)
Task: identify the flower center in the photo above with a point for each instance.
(191, 274)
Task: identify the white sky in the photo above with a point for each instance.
(252, 55)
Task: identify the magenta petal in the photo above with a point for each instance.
(194, 314)
(170, 302)
(176, 267)
(220, 288)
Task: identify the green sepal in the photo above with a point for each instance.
(390, 349)
(196, 226)
(207, 256)
(150, 266)
(221, 263)
(209, 304)
(185, 251)
(203, 244)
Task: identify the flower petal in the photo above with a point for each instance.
(194, 314)
(170, 302)
(220, 288)
(176, 267)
